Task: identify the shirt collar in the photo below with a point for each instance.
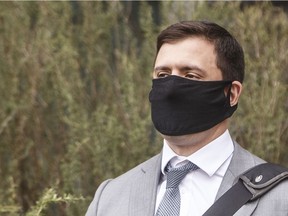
(207, 158)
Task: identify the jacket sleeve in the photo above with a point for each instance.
(92, 209)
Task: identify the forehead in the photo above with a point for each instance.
(190, 41)
(197, 52)
(192, 49)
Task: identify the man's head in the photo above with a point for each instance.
(198, 71)
(229, 53)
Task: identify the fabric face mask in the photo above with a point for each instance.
(180, 106)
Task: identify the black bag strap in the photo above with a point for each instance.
(250, 186)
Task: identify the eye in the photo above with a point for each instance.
(162, 74)
(192, 76)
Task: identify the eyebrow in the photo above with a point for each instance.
(161, 68)
(193, 67)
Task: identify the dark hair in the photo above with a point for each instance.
(229, 53)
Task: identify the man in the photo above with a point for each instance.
(197, 82)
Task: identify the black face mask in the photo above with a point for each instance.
(180, 106)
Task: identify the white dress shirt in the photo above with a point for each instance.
(199, 188)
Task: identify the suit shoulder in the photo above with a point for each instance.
(114, 195)
(247, 157)
(275, 201)
(148, 165)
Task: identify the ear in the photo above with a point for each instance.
(235, 92)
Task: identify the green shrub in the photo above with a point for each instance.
(75, 79)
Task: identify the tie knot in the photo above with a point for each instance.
(176, 175)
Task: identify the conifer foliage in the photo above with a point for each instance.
(74, 84)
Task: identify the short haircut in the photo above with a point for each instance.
(229, 53)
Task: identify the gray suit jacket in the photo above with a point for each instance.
(134, 193)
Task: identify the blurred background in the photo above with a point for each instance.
(74, 84)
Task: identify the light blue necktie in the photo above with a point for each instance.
(170, 204)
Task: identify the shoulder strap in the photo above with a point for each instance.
(250, 186)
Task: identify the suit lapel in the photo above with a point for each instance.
(241, 161)
(144, 191)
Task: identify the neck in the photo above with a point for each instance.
(188, 144)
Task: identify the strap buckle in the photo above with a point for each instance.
(260, 179)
